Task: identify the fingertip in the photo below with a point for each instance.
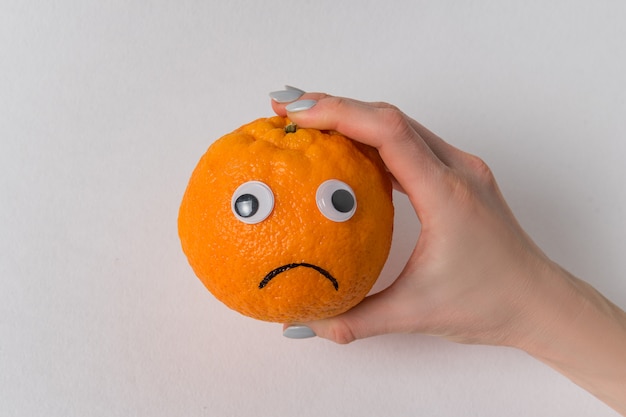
(298, 331)
(333, 329)
(279, 108)
(314, 110)
(286, 96)
(280, 98)
(284, 101)
(375, 315)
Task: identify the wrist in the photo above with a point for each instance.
(552, 305)
(563, 309)
(572, 328)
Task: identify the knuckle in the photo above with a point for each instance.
(480, 170)
(383, 104)
(341, 333)
(396, 121)
(392, 114)
(473, 179)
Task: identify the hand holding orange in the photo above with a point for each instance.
(287, 224)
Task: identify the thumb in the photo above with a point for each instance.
(375, 315)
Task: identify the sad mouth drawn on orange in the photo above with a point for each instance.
(287, 267)
(287, 225)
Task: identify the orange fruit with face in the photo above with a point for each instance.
(287, 224)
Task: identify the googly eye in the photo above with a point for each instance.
(336, 200)
(252, 202)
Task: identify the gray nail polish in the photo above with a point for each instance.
(300, 105)
(290, 87)
(298, 332)
(286, 96)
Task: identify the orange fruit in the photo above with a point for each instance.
(287, 225)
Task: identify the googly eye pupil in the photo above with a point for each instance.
(342, 201)
(246, 205)
(336, 200)
(252, 202)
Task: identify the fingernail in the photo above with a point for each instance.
(300, 105)
(286, 96)
(298, 332)
(290, 87)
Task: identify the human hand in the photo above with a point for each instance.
(474, 276)
(473, 267)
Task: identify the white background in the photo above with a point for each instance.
(105, 108)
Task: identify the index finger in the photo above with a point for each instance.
(407, 156)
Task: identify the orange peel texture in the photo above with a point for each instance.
(287, 226)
